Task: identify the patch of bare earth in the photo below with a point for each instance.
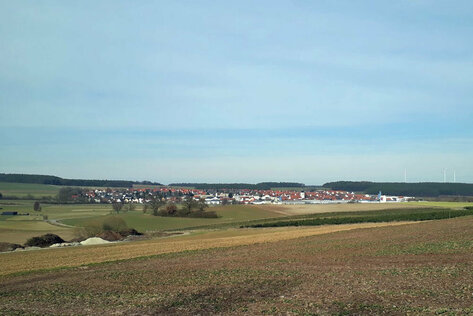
(406, 269)
(303, 209)
(15, 262)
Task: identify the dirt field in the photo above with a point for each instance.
(326, 208)
(420, 269)
(15, 262)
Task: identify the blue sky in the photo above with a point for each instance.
(169, 91)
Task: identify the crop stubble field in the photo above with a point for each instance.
(75, 256)
(422, 268)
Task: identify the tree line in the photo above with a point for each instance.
(53, 180)
(239, 186)
(158, 206)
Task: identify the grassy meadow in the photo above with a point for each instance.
(227, 214)
(21, 190)
(17, 229)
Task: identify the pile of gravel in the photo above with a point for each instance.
(94, 241)
(65, 244)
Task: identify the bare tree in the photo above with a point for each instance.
(117, 206)
(130, 207)
(155, 203)
(201, 205)
(37, 206)
(189, 204)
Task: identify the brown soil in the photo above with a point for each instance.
(76, 256)
(406, 269)
(110, 236)
(326, 208)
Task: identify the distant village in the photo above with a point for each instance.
(240, 196)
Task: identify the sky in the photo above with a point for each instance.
(237, 91)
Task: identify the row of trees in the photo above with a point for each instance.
(45, 179)
(158, 206)
(119, 207)
(239, 186)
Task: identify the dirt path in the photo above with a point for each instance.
(75, 256)
(56, 223)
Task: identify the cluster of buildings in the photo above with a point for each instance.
(241, 196)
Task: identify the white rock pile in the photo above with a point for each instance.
(65, 244)
(94, 241)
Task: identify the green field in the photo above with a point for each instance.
(78, 214)
(24, 189)
(227, 214)
(55, 211)
(19, 228)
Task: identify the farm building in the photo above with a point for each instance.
(9, 213)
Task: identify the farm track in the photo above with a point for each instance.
(16, 262)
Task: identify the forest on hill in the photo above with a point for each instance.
(53, 180)
(239, 186)
(420, 189)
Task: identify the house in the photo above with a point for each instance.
(212, 201)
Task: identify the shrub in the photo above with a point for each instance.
(130, 207)
(130, 232)
(117, 235)
(183, 212)
(6, 246)
(97, 226)
(91, 228)
(44, 241)
(114, 223)
(171, 209)
(110, 235)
